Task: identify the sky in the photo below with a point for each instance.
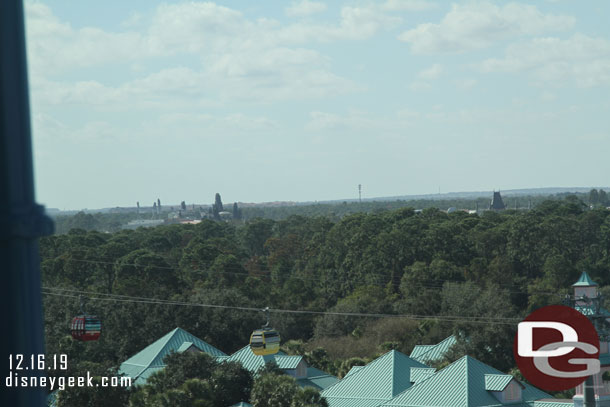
(302, 101)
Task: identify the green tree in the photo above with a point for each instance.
(593, 197)
(274, 390)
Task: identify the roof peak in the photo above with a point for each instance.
(584, 281)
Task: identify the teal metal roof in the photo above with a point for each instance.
(242, 404)
(419, 374)
(462, 383)
(317, 379)
(584, 281)
(353, 402)
(419, 350)
(431, 353)
(497, 382)
(288, 362)
(354, 369)
(253, 362)
(378, 381)
(554, 403)
(184, 347)
(150, 359)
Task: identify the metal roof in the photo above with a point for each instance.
(150, 359)
(253, 362)
(317, 379)
(419, 350)
(378, 381)
(497, 382)
(431, 353)
(354, 402)
(419, 374)
(354, 369)
(242, 404)
(184, 347)
(554, 403)
(584, 281)
(462, 384)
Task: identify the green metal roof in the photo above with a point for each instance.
(419, 350)
(253, 362)
(462, 384)
(584, 281)
(149, 360)
(431, 353)
(354, 369)
(184, 347)
(554, 403)
(317, 379)
(419, 374)
(353, 402)
(378, 381)
(497, 382)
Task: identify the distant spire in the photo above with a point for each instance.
(497, 203)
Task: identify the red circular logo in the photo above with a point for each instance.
(556, 348)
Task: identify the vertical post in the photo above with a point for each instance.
(22, 221)
(588, 393)
(360, 193)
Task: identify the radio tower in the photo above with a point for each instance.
(360, 193)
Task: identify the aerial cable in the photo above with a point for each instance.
(267, 274)
(153, 301)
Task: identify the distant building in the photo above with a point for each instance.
(497, 204)
(143, 223)
(585, 293)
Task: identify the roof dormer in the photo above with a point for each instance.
(504, 387)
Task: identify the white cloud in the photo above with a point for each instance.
(240, 58)
(305, 8)
(54, 46)
(479, 25)
(432, 72)
(582, 60)
(425, 77)
(407, 5)
(466, 83)
(356, 23)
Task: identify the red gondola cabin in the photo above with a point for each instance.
(86, 328)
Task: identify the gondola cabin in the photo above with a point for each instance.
(265, 342)
(86, 328)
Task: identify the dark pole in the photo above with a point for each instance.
(22, 221)
(588, 392)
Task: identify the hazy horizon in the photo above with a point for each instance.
(303, 101)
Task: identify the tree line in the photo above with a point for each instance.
(446, 268)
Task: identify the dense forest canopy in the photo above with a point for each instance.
(445, 270)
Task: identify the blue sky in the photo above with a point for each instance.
(302, 101)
